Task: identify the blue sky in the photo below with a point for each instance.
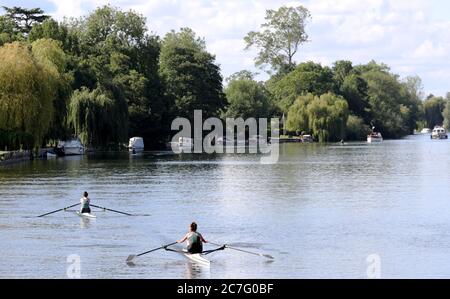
(412, 36)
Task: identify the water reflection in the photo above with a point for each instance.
(196, 271)
(321, 211)
(85, 222)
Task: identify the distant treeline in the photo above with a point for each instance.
(105, 77)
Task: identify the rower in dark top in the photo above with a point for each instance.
(194, 240)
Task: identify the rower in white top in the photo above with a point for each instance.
(85, 210)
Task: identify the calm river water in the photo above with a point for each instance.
(321, 212)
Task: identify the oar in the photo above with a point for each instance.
(133, 256)
(63, 209)
(245, 251)
(106, 209)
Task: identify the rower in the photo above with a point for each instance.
(85, 204)
(194, 240)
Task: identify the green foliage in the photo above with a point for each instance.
(356, 128)
(247, 98)
(50, 53)
(307, 77)
(446, 113)
(27, 93)
(192, 79)
(352, 87)
(433, 111)
(116, 51)
(24, 18)
(325, 116)
(393, 110)
(280, 37)
(98, 117)
(8, 31)
(298, 116)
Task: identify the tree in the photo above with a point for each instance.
(24, 18)
(356, 129)
(393, 110)
(27, 93)
(325, 116)
(354, 89)
(8, 32)
(98, 117)
(49, 52)
(247, 98)
(307, 77)
(298, 116)
(341, 70)
(192, 78)
(328, 117)
(446, 113)
(242, 75)
(115, 51)
(280, 37)
(433, 111)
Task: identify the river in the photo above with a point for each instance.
(322, 211)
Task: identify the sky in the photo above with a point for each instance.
(411, 36)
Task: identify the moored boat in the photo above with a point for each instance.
(374, 137)
(439, 132)
(136, 144)
(70, 147)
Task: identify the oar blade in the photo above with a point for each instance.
(131, 258)
(268, 256)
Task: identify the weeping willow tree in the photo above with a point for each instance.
(27, 92)
(328, 115)
(325, 116)
(98, 117)
(49, 52)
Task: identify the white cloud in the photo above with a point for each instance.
(429, 50)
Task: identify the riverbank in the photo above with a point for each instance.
(8, 157)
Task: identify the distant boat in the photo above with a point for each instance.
(50, 155)
(439, 133)
(136, 144)
(70, 147)
(425, 131)
(183, 145)
(307, 139)
(257, 139)
(375, 137)
(224, 141)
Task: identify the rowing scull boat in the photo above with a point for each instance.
(197, 258)
(86, 215)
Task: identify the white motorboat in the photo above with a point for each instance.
(136, 144)
(425, 131)
(439, 133)
(70, 147)
(374, 137)
(307, 139)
